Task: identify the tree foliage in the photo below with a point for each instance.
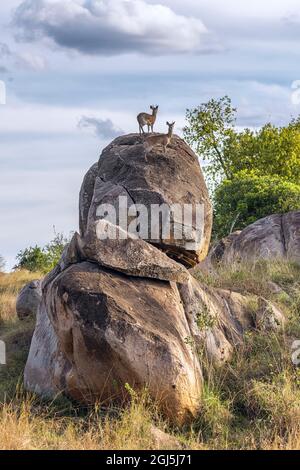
(37, 259)
(248, 197)
(210, 129)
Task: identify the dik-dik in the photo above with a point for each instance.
(145, 119)
(161, 139)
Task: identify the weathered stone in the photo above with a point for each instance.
(86, 196)
(274, 288)
(174, 178)
(115, 329)
(269, 317)
(163, 440)
(128, 254)
(291, 235)
(218, 318)
(204, 313)
(274, 237)
(46, 365)
(28, 300)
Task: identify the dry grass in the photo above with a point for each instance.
(26, 425)
(254, 278)
(10, 285)
(251, 403)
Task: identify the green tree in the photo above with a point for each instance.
(250, 173)
(250, 196)
(270, 150)
(210, 130)
(37, 259)
(2, 264)
(33, 259)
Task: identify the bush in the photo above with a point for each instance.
(250, 173)
(2, 264)
(42, 259)
(248, 197)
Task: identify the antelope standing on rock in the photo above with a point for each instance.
(161, 139)
(145, 119)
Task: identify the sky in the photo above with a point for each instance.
(77, 72)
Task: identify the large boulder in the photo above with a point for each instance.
(28, 300)
(130, 255)
(114, 329)
(275, 236)
(111, 313)
(218, 318)
(122, 312)
(125, 170)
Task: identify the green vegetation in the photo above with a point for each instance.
(42, 259)
(253, 402)
(247, 197)
(251, 173)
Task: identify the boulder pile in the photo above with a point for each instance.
(121, 313)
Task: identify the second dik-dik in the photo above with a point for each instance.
(161, 139)
(145, 119)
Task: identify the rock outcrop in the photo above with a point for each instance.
(111, 313)
(28, 300)
(46, 364)
(171, 178)
(275, 236)
(115, 329)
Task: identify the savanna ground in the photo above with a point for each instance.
(251, 403)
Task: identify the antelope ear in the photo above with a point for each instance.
(168, 124)
(174, 123)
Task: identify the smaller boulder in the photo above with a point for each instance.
(218, 318)
(268, 317)
(274, 237)
(163, 440)
(29, 300)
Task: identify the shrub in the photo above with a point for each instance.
(42, 259)
(250, 173)
(250, 196)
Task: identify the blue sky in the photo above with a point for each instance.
(77, 72)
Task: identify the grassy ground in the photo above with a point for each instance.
(251, 403)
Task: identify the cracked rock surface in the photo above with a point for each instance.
(275, 236)
(126, 310)
(158, 178)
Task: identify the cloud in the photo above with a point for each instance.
(105, 129)
(107, 27)
(23, 60)
(4, 51)
(27, 60)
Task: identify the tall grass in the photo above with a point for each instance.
(251, 403)
(10, 285)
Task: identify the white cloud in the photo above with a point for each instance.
(112, 27)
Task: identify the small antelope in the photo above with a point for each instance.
(161, 139)
(145, 119)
